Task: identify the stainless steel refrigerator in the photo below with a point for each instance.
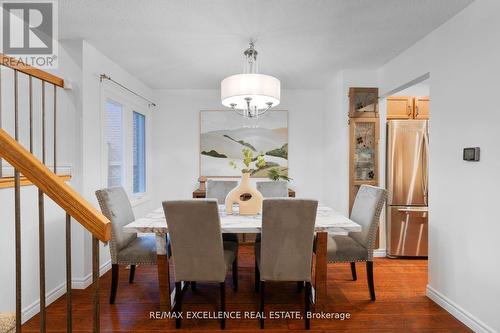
(407, 184)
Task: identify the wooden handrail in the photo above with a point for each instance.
(53, 186)
(32, 71)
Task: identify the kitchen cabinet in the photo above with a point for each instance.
(399, 107)
(407, 107)
(421, 107)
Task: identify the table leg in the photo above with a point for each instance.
(163, 272)
(320, 292)
(163, 282)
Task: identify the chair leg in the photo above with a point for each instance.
(132, 274)
(307, 307)
(178, 303)
(193, 286)
(262, 292)
(300, 286)
(169, 247)
(369, 273)
(222, 304)
(353, 271)
(257, 277)
(235, 274)
(115, 269)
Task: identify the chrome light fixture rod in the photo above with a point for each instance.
(247, 112)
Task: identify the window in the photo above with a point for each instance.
(114, 143)
(139, 151)
(125, 153)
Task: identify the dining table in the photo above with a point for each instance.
(328, 221)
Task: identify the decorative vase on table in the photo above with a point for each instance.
(246, 196)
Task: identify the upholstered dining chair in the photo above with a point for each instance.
(273, 189)
(198, 252)
(218, 189)
(285, 253)
(125, 248)
(359, 246)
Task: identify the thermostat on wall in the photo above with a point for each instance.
(471, 154)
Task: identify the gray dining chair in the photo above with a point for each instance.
(359, 246)
(218, 189)
(198, 252)
(125, 248)
(285, 253)
(273, 189)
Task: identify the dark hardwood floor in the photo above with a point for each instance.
(401, 304)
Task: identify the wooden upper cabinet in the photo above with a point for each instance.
(399, 107)
(363, 102)
(407, 107)
(421, 107)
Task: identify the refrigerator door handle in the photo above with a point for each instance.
(414, 209)
(425, 188)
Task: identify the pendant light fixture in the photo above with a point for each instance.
(250, 94)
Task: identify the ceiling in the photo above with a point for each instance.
(194, 44)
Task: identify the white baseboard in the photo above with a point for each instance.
(34, 308)
(456, 311)
(84, 282)
(379, 253)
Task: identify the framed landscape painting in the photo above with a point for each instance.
(224, 134)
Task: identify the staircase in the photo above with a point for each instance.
(32, 170)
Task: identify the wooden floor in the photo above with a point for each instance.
(401, 304)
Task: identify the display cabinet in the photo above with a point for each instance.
(363, 102)
(364, 140)
(364, 128)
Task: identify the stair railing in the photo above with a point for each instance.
(50, 184)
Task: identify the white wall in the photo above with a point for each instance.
(419, 89)
(462, 58)
(336, 143)
(176, 140)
